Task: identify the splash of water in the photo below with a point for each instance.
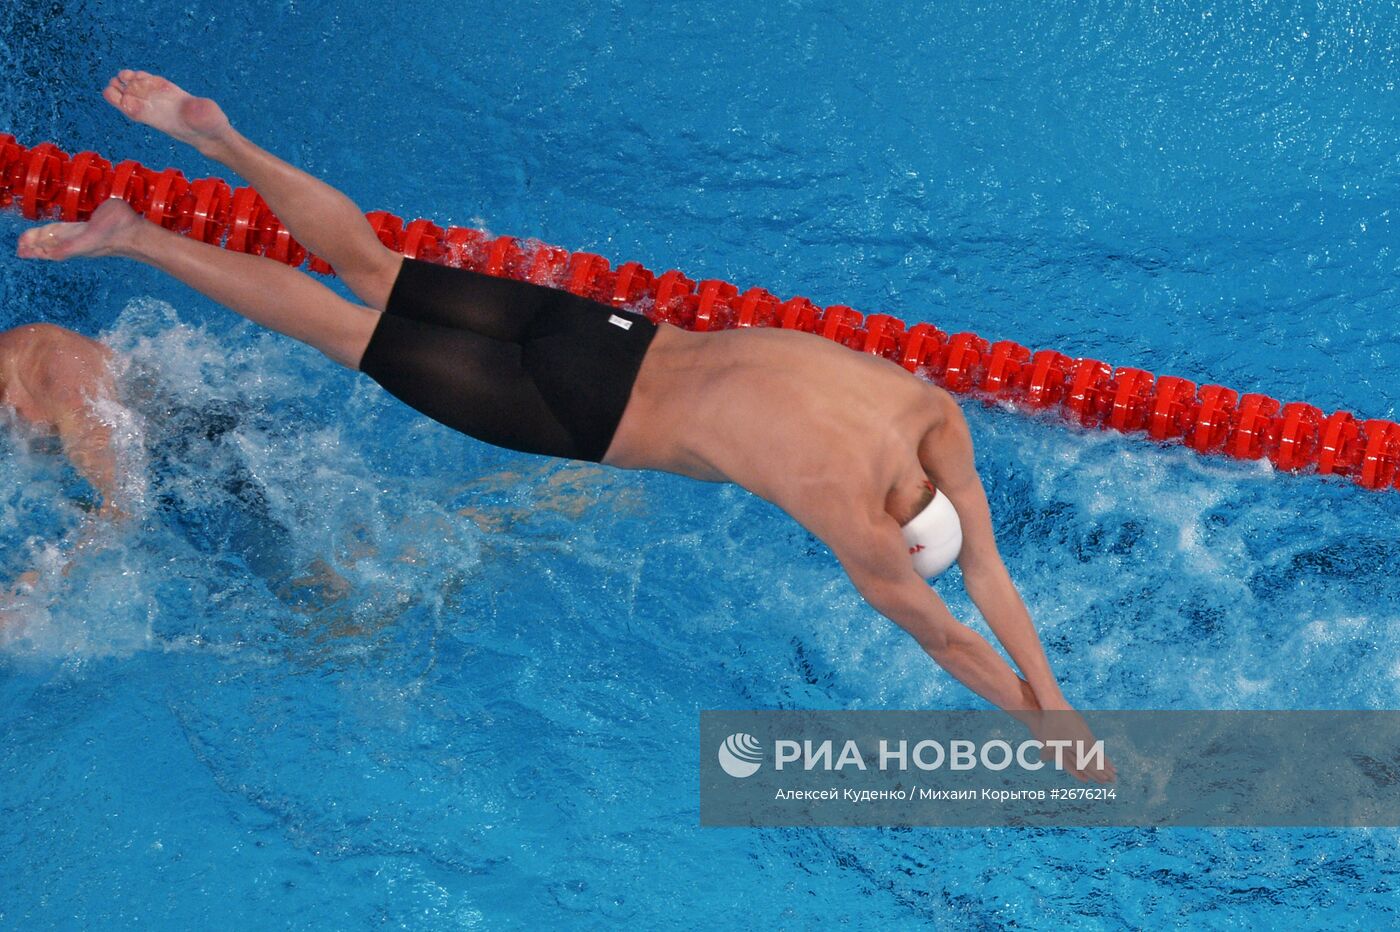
(255, 510)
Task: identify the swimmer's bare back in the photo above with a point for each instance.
(846, 444)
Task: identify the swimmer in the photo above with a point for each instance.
(50, 380)
(870, 459)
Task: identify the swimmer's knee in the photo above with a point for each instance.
(350, 340)
(372, 277)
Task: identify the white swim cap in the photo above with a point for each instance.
(934, 537)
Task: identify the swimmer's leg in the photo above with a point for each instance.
(265, 292)
(321, 218)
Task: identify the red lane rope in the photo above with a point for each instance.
(45, 182)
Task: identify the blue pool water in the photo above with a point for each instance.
(348, 669)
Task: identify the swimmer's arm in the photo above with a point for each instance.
(87, 442)
(874, 555)
(67, 386)
(991, 589)
(877, 560)
(985, 576)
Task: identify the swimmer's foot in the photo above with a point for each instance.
(105, 234)
(151, 99)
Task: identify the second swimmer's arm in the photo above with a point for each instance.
(70, 386)
(87, 442)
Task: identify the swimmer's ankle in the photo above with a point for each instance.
(136, 241)
(219, 145)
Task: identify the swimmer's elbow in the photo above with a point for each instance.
(908, 601)
(919, 616)
(874, 556)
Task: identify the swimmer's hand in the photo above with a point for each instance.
(1061, 722)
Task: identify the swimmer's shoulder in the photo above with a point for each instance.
(56, 360)
(40, 338)
(38, 332)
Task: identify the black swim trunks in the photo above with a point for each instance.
(514, 364)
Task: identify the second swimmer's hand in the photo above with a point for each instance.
(1060, 722)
